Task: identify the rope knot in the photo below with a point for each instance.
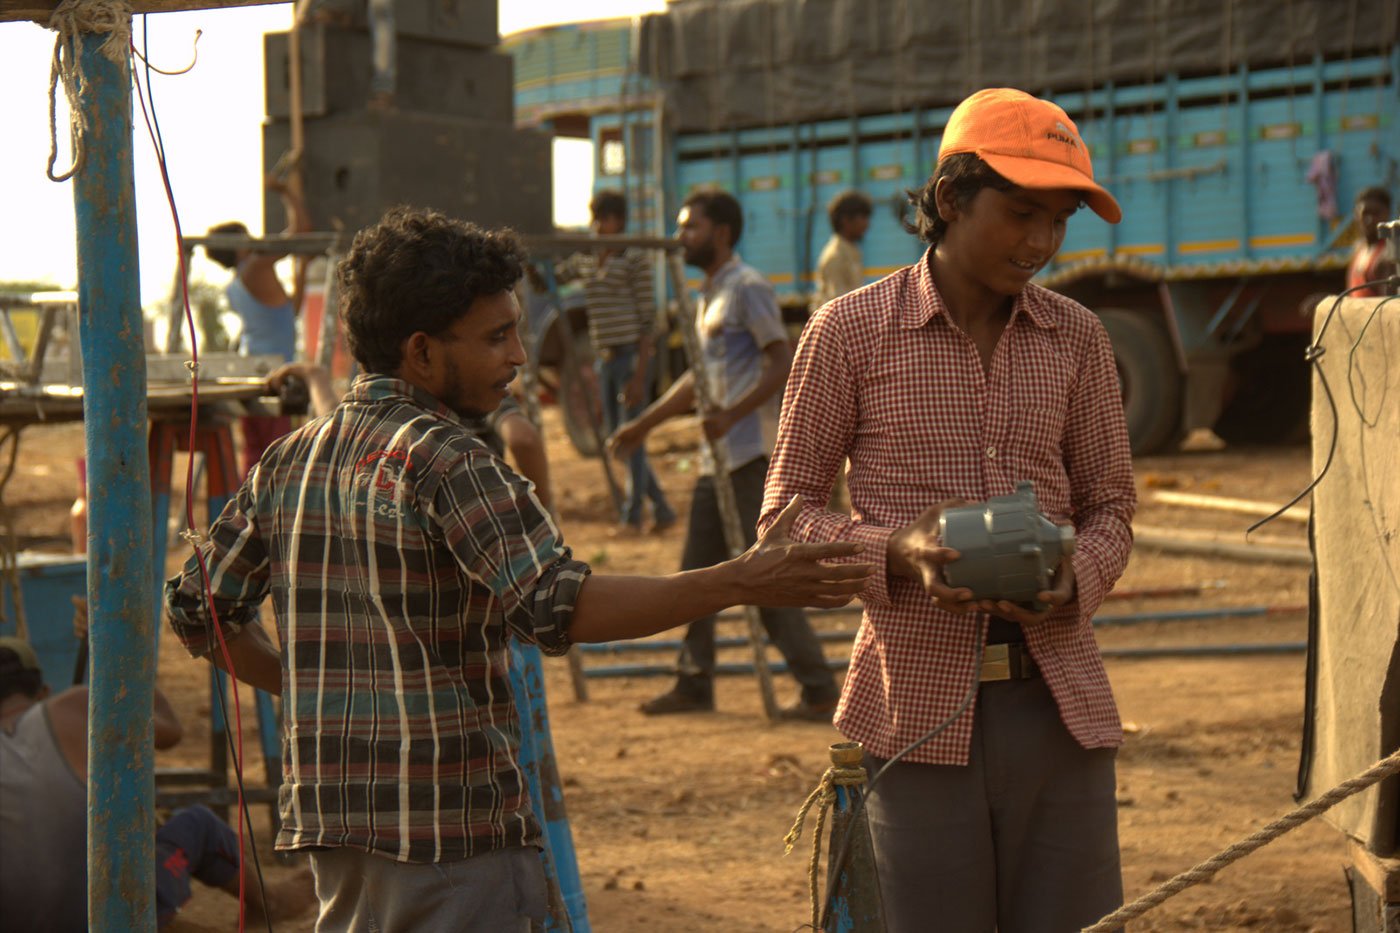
(192, 537)
(70, 18)
(823, 797)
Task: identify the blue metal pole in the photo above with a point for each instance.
(779, 667)
(852, 879)
(121, 787)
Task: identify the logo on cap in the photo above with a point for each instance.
(1064, 135)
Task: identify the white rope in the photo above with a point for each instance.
(1206, 870)
(70, 18)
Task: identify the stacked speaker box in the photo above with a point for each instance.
(447, 141)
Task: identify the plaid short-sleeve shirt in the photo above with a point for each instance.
(399, 554)
(883, 376)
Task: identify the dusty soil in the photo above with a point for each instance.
(679, 822)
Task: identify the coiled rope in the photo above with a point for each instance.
(823, 798)
(70, 18)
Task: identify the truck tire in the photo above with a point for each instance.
(1148, 376)
(578, 397)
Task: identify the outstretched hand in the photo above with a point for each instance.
(780, 572)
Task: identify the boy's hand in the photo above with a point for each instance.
(1061, 593)
(915, 552)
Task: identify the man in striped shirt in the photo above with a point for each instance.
(953, 379)
(620, 312)
(399, 554)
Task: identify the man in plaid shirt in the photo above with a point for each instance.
(950, 381)
(400, 553)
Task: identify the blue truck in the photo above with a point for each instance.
(1236, 171)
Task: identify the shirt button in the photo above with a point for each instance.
(991, 453)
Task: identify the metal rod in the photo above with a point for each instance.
(1186, 615)
(724, 486)
(779, 667)
(121, 785)
(309, 244)
(585, 242)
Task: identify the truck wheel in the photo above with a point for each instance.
(579, 404)
(1148, 377)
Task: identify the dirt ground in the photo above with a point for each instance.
(679, 822)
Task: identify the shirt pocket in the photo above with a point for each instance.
(1037, 433)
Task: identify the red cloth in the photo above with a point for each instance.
(884, 377)
(1365, 266)
(258, 435)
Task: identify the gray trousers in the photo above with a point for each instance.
(788, 629)
(1024, 839)
(497, 892)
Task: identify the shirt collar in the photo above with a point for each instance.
(377, 388)
(730, 266)
(928, 303)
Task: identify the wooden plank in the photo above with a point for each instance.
(1382, 874)
(1226, 504)
(40, 10)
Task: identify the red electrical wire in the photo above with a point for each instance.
(189, 484)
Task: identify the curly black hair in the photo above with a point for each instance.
(720, 208)
(848, 204)
(226, 257)
(1376, 193)
(16, 678)
(418, 270)
(968, 174)
(608, 202)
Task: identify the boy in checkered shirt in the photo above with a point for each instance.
(948, 381)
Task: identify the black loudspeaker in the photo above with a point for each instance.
(431, 77)
(357, 165)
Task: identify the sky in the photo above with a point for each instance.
(211, 122)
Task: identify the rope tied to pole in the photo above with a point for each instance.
(70, 18)
(1378, 772)
(823, 798)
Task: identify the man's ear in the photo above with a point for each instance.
(945, 199)
(417, 354)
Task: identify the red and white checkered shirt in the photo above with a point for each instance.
(883, 376)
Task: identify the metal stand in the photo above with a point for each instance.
(724, 486)
(210, 786)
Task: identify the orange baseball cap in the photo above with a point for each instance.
(1028, 141)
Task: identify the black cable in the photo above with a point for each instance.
(1313, 354)
(1351, 360)
(158, 141)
